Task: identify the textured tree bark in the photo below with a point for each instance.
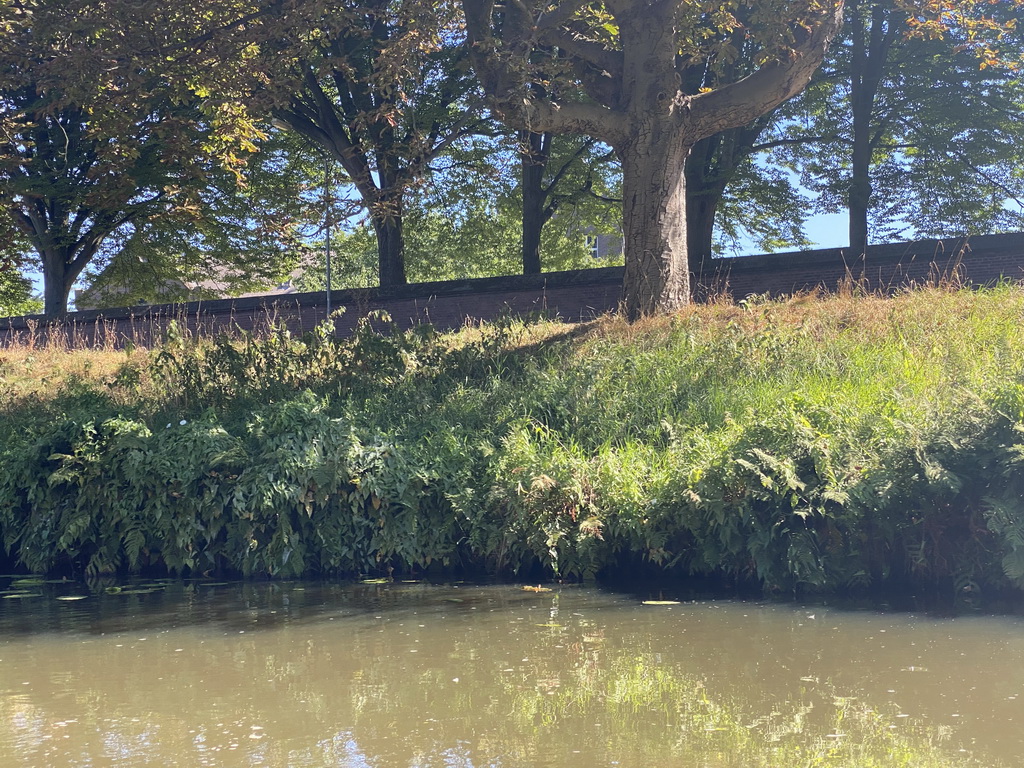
(657, 277)
(390, 247)
(57, 281)
(534, 162)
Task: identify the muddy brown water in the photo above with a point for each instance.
(416, 675)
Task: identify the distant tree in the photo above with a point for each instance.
(545, 216)
(384, 87)
(94, 143)
(883, 131)
(567, 174)
(911, 129)
(465, 219)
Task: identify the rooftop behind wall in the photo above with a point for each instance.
(572, 296)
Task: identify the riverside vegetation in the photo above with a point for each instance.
(814, 443)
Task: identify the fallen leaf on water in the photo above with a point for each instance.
(28, 582)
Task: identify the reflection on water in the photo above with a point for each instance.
(416, 675)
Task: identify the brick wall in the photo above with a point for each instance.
(573, 296)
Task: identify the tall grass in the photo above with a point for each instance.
(815, 443)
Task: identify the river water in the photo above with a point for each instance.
(416, 675)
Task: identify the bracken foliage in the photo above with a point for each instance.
(825, 444)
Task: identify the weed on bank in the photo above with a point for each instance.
(814, 443)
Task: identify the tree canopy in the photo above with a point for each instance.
(633, 62)
(914, 131)
(137, 133)
(384, 87)
(97, 141)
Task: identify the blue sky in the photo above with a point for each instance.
(829, 230)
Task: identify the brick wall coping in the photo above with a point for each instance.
(941, 252)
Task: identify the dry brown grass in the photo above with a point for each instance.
(40, 367)
(818, 315)
(33, 374)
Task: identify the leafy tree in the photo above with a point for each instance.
(632, 61)
(911, 128)
(98, 144)
(384, 87)
(465, 220)
(247, 230)
(568, 174)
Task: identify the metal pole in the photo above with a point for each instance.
(327, 228)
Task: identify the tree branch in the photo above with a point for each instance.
(541, 115)
(803, 140)
(561, 15)
(593, 53)
(560, 174)
(325, 128)
(744, 100)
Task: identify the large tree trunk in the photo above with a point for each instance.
(861, 99)
(657, 275)
(386, 213)
(57, 281)
(859, 195)
(534, 163)
(860, 191)
(61, 264)
(387, 207)
(390, 247)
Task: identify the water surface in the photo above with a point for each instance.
(421, 675)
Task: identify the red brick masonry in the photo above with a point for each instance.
(573, 296)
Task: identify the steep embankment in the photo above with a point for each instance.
(825, 443)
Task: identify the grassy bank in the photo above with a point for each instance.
(815, 443)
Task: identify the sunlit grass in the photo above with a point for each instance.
(815, 442)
